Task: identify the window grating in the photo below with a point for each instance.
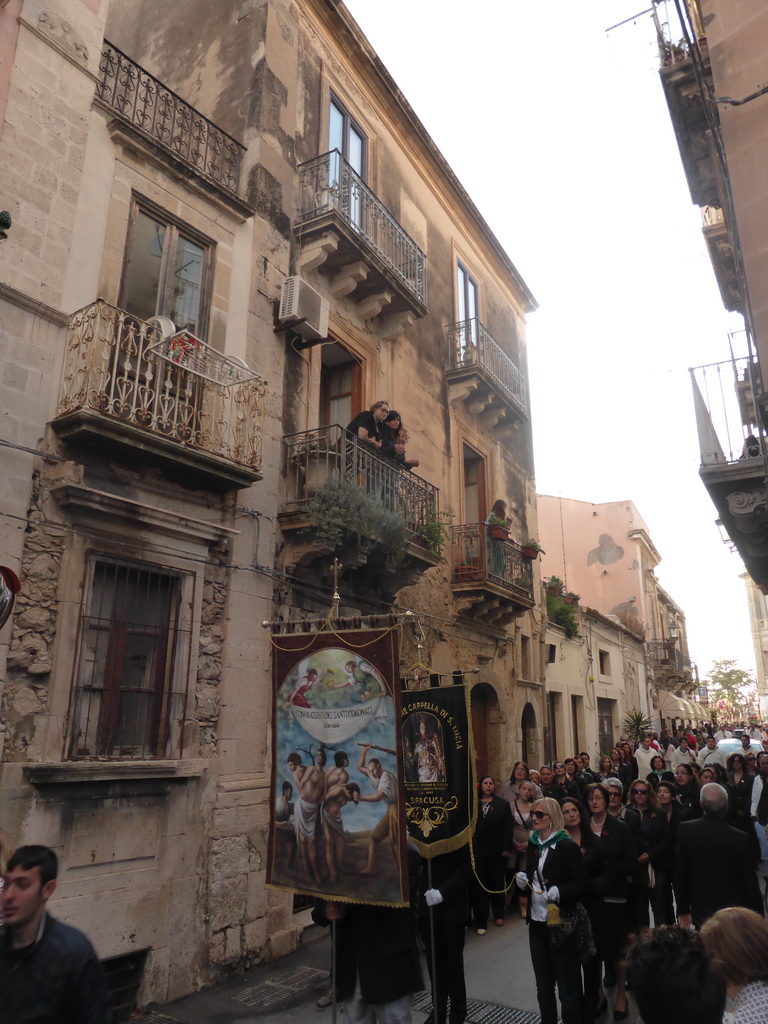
(130, 696)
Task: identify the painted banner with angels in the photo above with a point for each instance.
(438, 768)
(337, 790)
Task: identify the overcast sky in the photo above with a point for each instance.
(560, 133)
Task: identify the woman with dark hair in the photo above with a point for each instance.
(394, 439)
(670, 808)
(571, 770)
(737, 942)
(519, 774)
(606, 769)
(570, 786)
(687, 788)
(549, 785)
(616, 858)
(659, 771)
(555, 873)
(492, 844)
(522, 827)
(653, 852)
(741, 788)
(576, 823)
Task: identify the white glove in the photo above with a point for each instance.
(522, 880)
(553, 895)
(433, 897)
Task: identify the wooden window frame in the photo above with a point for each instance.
(176, 226)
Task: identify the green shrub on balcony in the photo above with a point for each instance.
(563, 614)
(340, 508)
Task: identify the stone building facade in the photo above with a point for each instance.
(168, 433)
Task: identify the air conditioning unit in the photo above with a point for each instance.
(303, 309)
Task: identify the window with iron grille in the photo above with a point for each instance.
(129, 699)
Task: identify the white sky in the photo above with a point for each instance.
(561, 135)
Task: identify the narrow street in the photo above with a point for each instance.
(497, 966)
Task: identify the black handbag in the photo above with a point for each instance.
(572, 933)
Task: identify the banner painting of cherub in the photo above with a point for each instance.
(337, 795)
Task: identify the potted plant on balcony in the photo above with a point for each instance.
(570, 598)
(554, 585)
(467, 571)
(434, 530)
(341, 512)
(498, 527)
(531, 549)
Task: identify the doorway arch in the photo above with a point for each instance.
(484, 705)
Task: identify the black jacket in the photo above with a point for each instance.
(615, 858)
(564, 867)
(58, 980)
(493, 832)
(713, 869)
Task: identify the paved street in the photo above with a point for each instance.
(497, 966)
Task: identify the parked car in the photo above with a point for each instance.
(729, 746)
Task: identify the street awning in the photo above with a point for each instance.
(672, 706)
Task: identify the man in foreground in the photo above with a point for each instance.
(49, 972)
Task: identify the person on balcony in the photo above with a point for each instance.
(498, 519)
(367, 425)
(394, 439)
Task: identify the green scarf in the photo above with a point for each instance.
(553, 840)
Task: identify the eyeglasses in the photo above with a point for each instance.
(642, 792)
(539, 814)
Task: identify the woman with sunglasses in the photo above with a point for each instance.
(570, 787)
(687, 789)
(653, 853)
(555, 873)
(670, 808)
(751, 758)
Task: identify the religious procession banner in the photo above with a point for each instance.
(439, 768)
(337, 792)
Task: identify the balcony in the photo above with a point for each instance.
(342, 498)
(117, 394)
(689, 118)
(345, 229)
(665, 654)
(166, 121)
(490, 578)
(720, 245)
(484, 378)
(730, 416)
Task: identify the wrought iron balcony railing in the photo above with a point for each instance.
(328, 184)
(109, 372)
(665, 654)
(477, 556)
(727, 417)
(330, 454)
(472, 344)
(146, 103)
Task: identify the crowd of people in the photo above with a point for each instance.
(668, 832)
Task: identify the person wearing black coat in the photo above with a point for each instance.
(713, 869)
(377, 951)
(555, 873)
(687, 792)
(653, 851)
(491, 845)
(442, 918)
(549, 785)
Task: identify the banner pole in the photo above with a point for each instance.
(432, 946)
(333, 972)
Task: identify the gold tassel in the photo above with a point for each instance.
(553, 914)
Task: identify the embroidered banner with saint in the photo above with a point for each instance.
(438, 768)
(337, 793)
